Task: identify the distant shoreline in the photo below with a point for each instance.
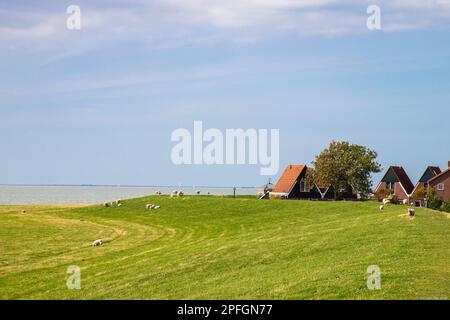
(91, 194)
(121, 186)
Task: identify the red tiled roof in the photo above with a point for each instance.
(403, 178)
(288, 178)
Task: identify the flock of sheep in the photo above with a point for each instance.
(149, 206)
(411, 211)
(176, 194)
(117, 203)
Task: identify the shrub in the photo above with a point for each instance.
(383, 193)
(446, 207)
(379, 194)
(420, 193)
(393, 198)
(434, 201)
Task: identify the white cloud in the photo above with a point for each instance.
(309, 16)
(162, 22)
(241, 13)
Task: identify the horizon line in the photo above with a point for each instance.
(119, 185)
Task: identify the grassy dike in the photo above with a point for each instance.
(219, 247)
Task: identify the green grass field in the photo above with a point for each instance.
(224, 248)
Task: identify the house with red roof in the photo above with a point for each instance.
(441, 183)
(397, 182)
(419, 198)
(293, 185)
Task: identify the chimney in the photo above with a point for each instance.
(449, 164)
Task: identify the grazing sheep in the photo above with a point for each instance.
(97, 243)
(106, 204)
(181, 193)
(156, 207)
(411, 212)
(119, 204)
(158, 193)
(198, 192)
(381, 207)
(386, 201)
(148, 206)
(174, 194)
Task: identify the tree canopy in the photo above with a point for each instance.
(346, 167)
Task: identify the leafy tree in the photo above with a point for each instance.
(346, 167)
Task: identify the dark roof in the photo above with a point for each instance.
(435, 170)
(429, 173)
(403, 178)
(439, 175)
(288, 178)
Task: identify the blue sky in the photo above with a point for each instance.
(98, 105)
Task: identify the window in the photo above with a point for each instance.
(440, 187)
(304, 186)
(390, 185)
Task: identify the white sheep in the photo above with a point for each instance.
(118, 201)
(97, 243)
(148, 206)
(156, 207)
(174, 194)
(119, 204)
(411, 212)
(158, 193)
(106, 204)
(381, 207)
(386, 201)
(181, 193)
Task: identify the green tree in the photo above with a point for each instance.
(346, 167)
